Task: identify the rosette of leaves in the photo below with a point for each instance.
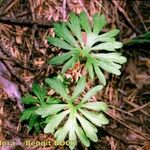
(76, 117)
(33, 102)
(82, 41)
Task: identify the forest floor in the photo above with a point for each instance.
(24, 51)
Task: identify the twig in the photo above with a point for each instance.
(118, 119)
(139, 15)
(120, 110)
(110, 14)
(8, 6)
(139, 108)
(121, 10)
(32, 10)
(64, 9)
(85, 10)
(34, 28)
(28, 23)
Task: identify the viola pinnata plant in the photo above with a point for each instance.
(34, 101)
(76, 116)
(97, 51)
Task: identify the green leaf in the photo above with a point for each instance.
(79, 87)
(58, 86)
(51, 100)
(103, 119)
(114, 64)
(47, 110)
(105, 39)
(70, 36)
(82, 136)
(109, 61)
(97, 106)
(32, 121)
(59, 60)
(92, 92)
(141, 39)
(39, 91)
(63, 32)
(71, 125)
(99, 74)
(110, 34)
(72, 136)
(115, 57)
(108, 67)
(98, 23)
(69, 64)
(74, 25)
(94, 117)
(145, 35)
(61, 133)
(26, 114)
(55, 121)
(29, 99)
(102, 39)
(37, 128)
(109, 46)
(60, 43)
(89, 68)
(89, 129)
(85, 22)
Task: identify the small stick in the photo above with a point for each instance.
(85, 10)
(139, 108)
(118, 119)
(121, 10)
(140, 16)
(8, 6)
(64, 9)
(120, 110)
(28, 23)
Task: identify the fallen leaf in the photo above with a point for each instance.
(8, 86)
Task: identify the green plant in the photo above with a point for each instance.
(38, 98)
(67, 114)
(82, 41)
(141, 39)
(73, 116)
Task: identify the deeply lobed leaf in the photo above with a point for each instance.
(47, 110)
(98, 23)
(59, 60)
(58, 86)
(39, 91)
(60, 43)
(79, 87)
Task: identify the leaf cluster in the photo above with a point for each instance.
(98, 50)
(74, 116)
